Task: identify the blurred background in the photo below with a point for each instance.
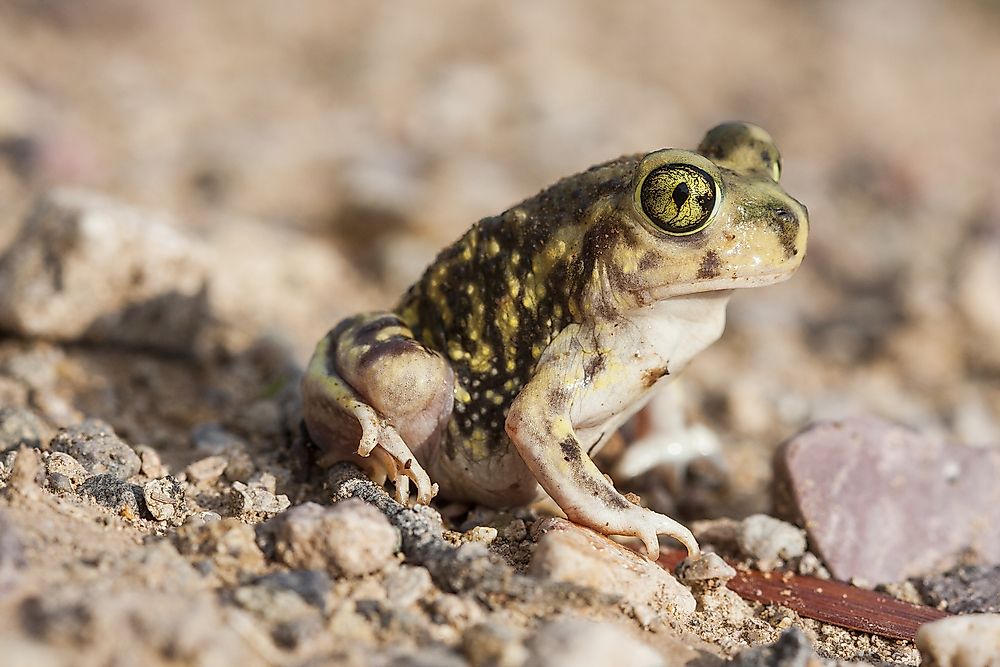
(326, 151)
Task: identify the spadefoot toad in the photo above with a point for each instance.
(539, 332)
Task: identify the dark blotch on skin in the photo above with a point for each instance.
(649, 261)
(650, 377)
(558, 397)
(593, 366)
(366, 332)
(711, 265)
(786, 226)
(570, 449)
(396, 346)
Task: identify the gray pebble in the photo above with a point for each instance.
(19, 427)
(313, 586)
(113, 493)
(791, 650)
(98, 449)
(963, 590)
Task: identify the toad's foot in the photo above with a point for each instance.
(644, 524)
(389, 457)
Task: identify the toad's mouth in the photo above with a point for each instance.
(721, 284)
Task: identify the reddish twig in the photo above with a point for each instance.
(827, 600)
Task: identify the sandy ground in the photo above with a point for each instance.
(323, 153)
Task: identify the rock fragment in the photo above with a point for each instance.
(313, 586)
(882, 503)
(165, 500)
(151, 466)
(253, 502)
(85, 267)
(569, 642)
(61, 463)
(97, 448)
(19, 427)
(963, 590)
(407, 585)
(791, 650)
(206, 471)
(25, 477)
(350, 538)
(709, 570)
(494, 644)
(113, 493)
(770, 541)
(228, 547)
(573, 554)
(960, 641)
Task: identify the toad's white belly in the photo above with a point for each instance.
(664, 336)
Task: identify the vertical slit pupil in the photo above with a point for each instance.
(681, 194)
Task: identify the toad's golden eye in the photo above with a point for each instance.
(679, 199)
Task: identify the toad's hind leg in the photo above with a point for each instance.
(375, 395)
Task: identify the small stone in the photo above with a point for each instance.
(150, 464)
(97, 448)
(482, 534)
(964, 590)
(206, 471)
(265, 481)
(709, 568)
(239, 466)
(573, 554)
(791, 650)
(960, 641)
(515, 531)
(25, 478)
(59, 483)
(229, 545)
(407, 585)
(313, 586)
(113, 493)
(350, 538)
(19, 427)
(212, 439)
(770, 541)
(252, 502)
(63, 464)
(85, 267)
(165, 499)
(494, 644)
(570, 642)
(899, 505)
(455, 611)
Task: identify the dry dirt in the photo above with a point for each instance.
(321, 154)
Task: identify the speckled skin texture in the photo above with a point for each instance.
(532, 338)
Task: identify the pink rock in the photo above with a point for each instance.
(881, 503)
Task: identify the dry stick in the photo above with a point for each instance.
(827, 600)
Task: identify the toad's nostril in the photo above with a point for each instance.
(784, 215)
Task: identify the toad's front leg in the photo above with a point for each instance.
(540, 425)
